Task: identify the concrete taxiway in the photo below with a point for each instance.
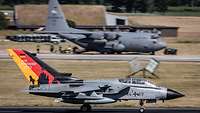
(167, 58)
(96, 110)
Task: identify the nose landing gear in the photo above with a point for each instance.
(142, 109)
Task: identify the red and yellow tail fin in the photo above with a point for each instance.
(34, 70)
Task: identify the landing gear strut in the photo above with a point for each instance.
(86, 107)
(152, 53)
(141, 110)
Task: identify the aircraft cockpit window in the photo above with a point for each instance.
(132, 81)
(154, 37)
(138, 81)
(154, 42)
(124, 80)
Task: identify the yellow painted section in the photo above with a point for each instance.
(26, 70)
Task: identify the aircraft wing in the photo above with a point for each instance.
(83, 89)
(73, 89)
(80, 89)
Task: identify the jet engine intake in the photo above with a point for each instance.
(100, 41)
(97, 36)
(111, 36)
(118, 47)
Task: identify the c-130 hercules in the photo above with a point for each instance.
(48, 82)
(100, 41)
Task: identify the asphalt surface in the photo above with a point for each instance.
(167, 58)
(97, 110)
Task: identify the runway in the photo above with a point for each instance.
(95, 110)
(167, 58)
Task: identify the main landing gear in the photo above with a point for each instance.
(141, 110)
(86, 107)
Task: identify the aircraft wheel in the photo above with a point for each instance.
(119, 52)
(111, 52)
(152, 53)
(76, 50)
(141, 110)
(86, 107)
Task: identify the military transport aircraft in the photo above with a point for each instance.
(103, 42)
(46, 81)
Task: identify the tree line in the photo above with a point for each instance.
(118, 5)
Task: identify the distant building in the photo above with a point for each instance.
(113, 20)
(86, 17)
(9, 14)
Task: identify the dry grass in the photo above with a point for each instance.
(185, 46)
(191, 40)
(80, 14)
(189, 26)
(11, 32)
(183, 77)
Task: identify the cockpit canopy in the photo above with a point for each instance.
(138, 81)
(155, 37)
(132, 80)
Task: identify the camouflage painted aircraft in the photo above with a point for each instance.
(46, 81)
(100, 41)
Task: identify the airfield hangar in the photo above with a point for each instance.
(93, 17)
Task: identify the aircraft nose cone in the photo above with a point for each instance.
(163, 45)
(171, 94)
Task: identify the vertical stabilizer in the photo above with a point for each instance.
(56, 20)
(35, 70)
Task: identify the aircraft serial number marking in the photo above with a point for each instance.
(135, 94)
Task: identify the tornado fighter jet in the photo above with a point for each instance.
(46, 81)
(100, 41)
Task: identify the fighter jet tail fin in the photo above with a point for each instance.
(35, 70)
(56, 20)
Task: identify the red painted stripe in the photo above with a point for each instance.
(35, 67)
